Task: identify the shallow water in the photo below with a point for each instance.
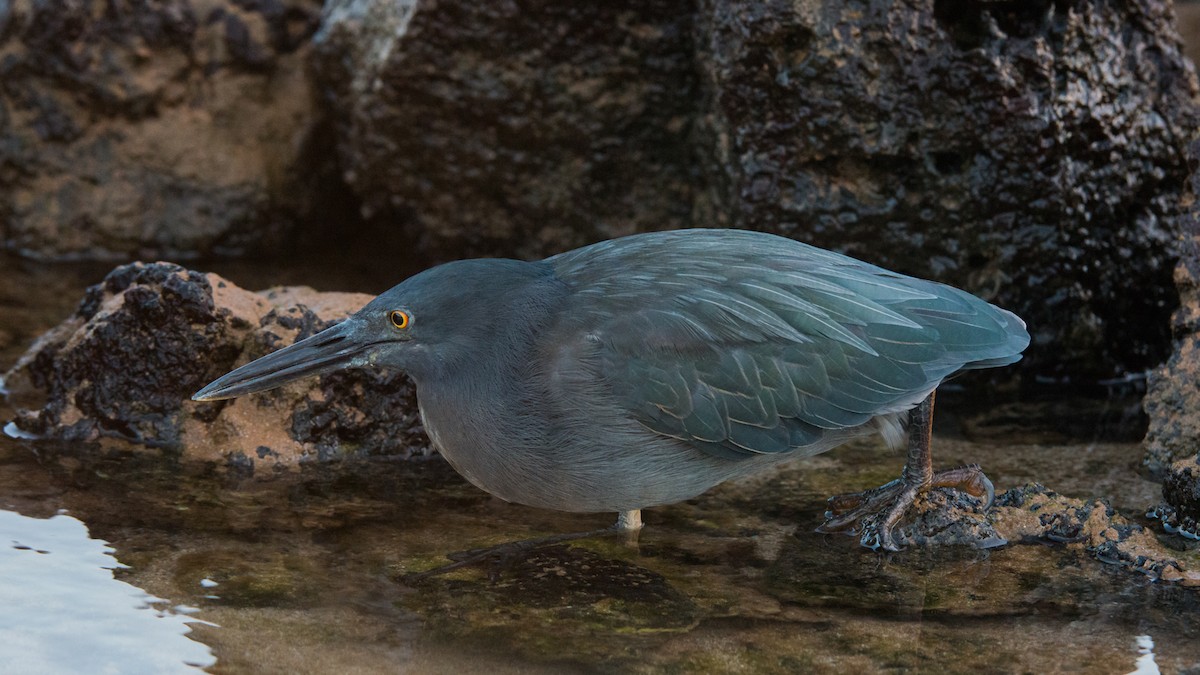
(305, 572)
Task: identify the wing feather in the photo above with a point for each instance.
(743, 343)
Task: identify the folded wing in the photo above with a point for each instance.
(744, 343)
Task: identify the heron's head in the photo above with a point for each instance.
(440, 318)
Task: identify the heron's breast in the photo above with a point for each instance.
(450, 444)
(491, 457)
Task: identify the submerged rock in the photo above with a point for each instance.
(578, 590)
(126, 363)
(1033, 513)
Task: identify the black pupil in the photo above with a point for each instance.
(399, 319)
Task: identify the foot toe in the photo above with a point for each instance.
(875, 514)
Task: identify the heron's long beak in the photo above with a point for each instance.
(331, 349)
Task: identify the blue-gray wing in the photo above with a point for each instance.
(743, 343)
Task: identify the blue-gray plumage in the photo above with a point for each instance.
(644, 370)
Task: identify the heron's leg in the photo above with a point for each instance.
(874, 513)
(629, 524)
(629, 521)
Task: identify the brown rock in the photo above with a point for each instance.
(1032, 513)
(163, 129)
(141, 342)
(1173, 398)
(948, 517)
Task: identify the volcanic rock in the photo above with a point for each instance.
(126, 363)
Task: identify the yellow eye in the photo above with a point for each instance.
(399, 319)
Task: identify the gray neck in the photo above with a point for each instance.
(477, 406)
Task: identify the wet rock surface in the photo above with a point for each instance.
(1173, 398)
(131, 129)
(572, 591)
(1179, 511)
(949, 518)
(1031, 153)
(119, 365)
(1032, 514)
(125, 364)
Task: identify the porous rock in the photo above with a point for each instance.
(993, 145)
(948, 517)
(1030, 152)
(1035, 514)
(1032, 513)
(505, 127)
(1173, 397)
(126, 363)
(136, 129)
(1179, 511)
(1172, 400)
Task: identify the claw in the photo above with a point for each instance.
(874, 514)
(879, 510)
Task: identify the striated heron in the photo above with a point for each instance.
(644, 370)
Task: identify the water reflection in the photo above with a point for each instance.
(61, 610)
